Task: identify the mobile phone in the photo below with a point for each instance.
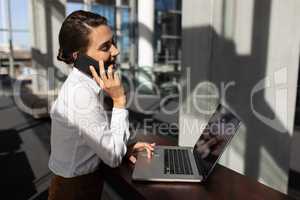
(83, 63)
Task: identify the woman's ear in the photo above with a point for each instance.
(75, 55)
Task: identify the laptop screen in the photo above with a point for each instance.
(220, 129)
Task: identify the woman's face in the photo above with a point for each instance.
(101, 45)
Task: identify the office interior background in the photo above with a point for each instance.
(245, 54)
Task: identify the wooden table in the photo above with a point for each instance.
(223, 183)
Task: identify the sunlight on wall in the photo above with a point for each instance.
(233, 157)
(270, 173)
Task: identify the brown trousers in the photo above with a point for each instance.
(77, 188)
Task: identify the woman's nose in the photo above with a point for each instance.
(114, 51)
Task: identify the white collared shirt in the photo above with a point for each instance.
(81, 134)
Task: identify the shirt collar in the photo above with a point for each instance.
(87, 79)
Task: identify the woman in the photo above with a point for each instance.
(81, 135)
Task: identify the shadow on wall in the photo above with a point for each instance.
(219, 63)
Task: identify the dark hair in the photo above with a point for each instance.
(74, 32)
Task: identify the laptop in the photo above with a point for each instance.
(187, 164)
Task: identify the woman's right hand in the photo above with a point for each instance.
(133, 149)
(110, 82)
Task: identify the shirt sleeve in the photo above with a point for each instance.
(108, 140)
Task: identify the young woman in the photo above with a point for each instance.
(82, 136)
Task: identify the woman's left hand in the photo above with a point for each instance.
(140, 146)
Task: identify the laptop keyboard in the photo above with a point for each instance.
(177, 161)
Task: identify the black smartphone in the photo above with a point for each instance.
(83, 63)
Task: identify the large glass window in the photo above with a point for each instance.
(168, 32)
(19, 22)
(73, 6)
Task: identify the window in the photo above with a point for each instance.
(168, 32)
(20, 26)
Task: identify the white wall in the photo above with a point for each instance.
(249, 50)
